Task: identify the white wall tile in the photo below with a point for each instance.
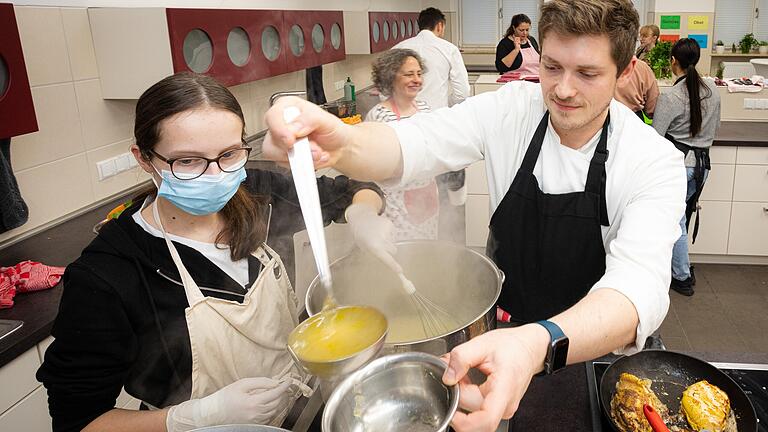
(244, 95)
(45, 50)
(59, 136)
(77, 31)
(53, 190)
(103, 121)
(117, 183)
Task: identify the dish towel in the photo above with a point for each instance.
(26, 276)
(13, 210)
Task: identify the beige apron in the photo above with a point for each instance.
(230, 340)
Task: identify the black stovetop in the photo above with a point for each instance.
(752, 378)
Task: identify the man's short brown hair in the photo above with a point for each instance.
(617, 19)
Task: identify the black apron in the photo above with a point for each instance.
(549, 246)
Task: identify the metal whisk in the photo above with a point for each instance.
(434, 319)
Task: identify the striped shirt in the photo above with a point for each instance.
(382, 114)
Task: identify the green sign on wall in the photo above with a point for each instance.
(670, 22)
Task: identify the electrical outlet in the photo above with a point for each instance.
(750, 103)
(107, 168)
(339, 85)
(122, 162)
(762, 104)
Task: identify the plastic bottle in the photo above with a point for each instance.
(349, 90)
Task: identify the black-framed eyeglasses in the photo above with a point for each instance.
(192, 167)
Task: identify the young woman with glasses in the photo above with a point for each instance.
(179, 300)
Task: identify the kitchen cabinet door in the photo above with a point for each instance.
(713, 228)
(749, 229)
(321, 34)
(719, 184)
(477, 182)
(29, 415)
(15, 94)
(385, 28)
(234, 46)
(752, 156)
(18, 379)
(477, 219)
(751, 183)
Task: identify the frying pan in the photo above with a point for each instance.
(671, 372)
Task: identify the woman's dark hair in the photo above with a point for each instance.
(244, 214)
(516, 21)
(687, 52)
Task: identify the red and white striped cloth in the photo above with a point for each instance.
(26, 276)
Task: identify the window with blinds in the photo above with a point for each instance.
(483, 22)
(479, 22)
(735, 18)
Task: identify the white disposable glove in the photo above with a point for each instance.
(373, 233)
(246, 401)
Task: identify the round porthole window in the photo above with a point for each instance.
(402, 28)
(376, 31)
(238, 46)
(270, 43)
(4, 77)
(385, 31)
(198, 51)
(410, 28)
(394, 30)
(296, 40)
(336, 36)
(415, 27)
(318, 37)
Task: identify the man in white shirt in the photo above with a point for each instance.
(446, 82)
(586, 200)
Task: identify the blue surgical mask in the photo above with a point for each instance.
(203, 195)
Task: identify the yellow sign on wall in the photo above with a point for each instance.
(698, 22)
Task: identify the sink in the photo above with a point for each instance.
(761, 66)
(9, 326)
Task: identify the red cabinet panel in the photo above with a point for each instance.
(307, 21)
(17, 111)
(385, 21)
(217, 24)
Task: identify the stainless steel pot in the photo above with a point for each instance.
(464, 282)
(240, 428)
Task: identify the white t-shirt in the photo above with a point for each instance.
(219, 255)
(446, 81)
(645, 184)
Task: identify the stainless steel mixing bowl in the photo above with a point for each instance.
(394, 393)
(458, 279)
(240, 428)
(331, 369)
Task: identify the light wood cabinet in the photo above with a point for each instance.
(752, 156)
(18, 379)
(749, 229)
(719, 185)
(477, 213)
(713, 229)
(29, 415)
(751, 183)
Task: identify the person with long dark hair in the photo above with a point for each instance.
(688, 116)
(180, 300)
(518, 50)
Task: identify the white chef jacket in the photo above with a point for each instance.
(446, 82)
(645, 180)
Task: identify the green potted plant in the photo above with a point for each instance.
(719, 47)
(763, 48)
(747, 42)
(659, 60)
(720, 70)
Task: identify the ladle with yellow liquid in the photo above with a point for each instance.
(338, 340)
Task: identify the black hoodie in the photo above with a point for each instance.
(121, 319)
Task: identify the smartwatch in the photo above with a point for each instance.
(557, 351)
